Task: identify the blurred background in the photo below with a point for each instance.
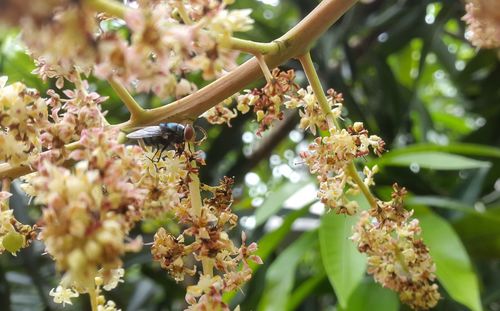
(406, 70)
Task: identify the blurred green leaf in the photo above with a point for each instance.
(481, 233)
(275, 200)
(272, 239)
(441, 202)
(344, 265)
(431, 160)
(281, 274)
(305, 290)
(453, 266)
(372, 296)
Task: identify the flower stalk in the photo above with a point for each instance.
(136, 111)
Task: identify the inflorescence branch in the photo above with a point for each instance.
(315, 83)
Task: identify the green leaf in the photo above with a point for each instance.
(281, 274)
(275, 201)
(371, 296)
(480, 233)
(344, 265)
(441, 202)
(432, 160)
(271, 240)
(453, 266)
(305, 290)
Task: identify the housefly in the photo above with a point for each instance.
(164, 136)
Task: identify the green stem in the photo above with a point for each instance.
(136, 111)
(353, 173)
(109, 7)
(183, 13)
(312, 77)
(253, 47)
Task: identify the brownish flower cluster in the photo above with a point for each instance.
(267, 101)
(397, 256)
(221, 113)
(328, 158)
(483, 23)
(206, 224)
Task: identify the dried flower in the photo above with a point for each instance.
(267, 102)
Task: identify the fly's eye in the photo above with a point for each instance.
(188, 132)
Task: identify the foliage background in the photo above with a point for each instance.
(407, 72)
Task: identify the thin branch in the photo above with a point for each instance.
(136, 111)
(253, 47)
(312, 77)
(183, 13)
(264, 68)
(353, 173)
(294, 43)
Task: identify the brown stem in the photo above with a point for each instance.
(294, 43)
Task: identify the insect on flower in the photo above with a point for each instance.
(165, 135)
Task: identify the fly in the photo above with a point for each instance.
(164, 135)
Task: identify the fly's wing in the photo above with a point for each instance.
(150, 131)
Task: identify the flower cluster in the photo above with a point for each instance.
(163, 178)
(311, 115)
(267, 101)
(397, 256)
(13, 234)
(221, 113)
(483, 22)
(167, 40)
(27, 127)
(328, 157)
(89, 210)
(70, 116)
(23, 113)
(206, 224)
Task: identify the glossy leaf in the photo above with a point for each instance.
(432, 160)
(344, 265)
(281, 274)
(372, 296)
(274, 201)
(453, 265)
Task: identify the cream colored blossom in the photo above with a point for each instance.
(63, 295)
